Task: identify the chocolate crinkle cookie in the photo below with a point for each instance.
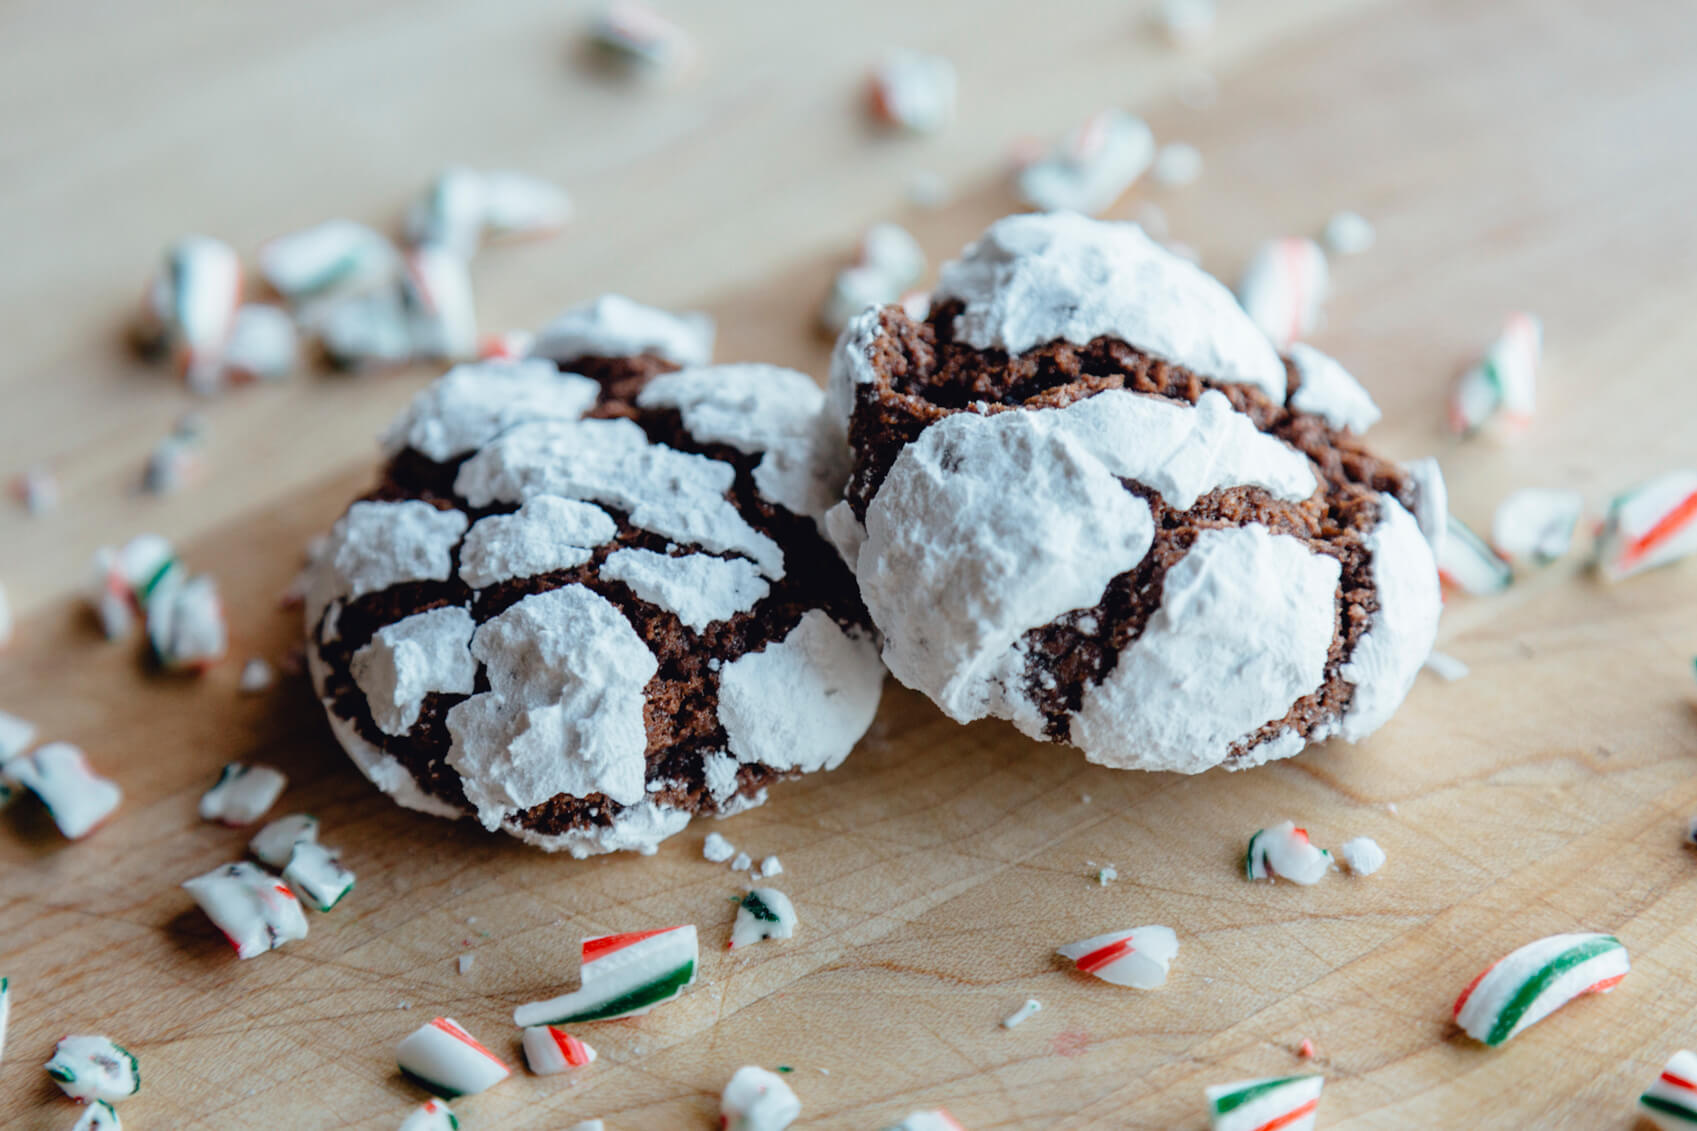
(1086, 495)
(589, 598)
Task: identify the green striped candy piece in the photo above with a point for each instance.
(649, 994)
(1541, 980)
(1231, 1101)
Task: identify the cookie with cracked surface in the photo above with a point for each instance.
(589, 598)
(1086, 495)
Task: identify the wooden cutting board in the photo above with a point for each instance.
(1520, 154)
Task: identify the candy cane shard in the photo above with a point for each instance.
(936, 1120)
(123, 580)
(254, 909)
(757, 1100)
(77, 798)
(263, 345)
(1283, 287)
(315, 874)
(1537, 980)
(444, 1058)
(1651, 525)
(15, 735)
(632, 31)
(1504, 382)
(1023, 1014)
(185, 623)
(913, 91)
(623, 975)
(1671, 1101)
(190, 307)
(1284, 851)
(1465, 562)
(888, 261)
(764, 913)
(1092, 167)
(94, 1068)
(715, 848)
(431, 1115)
(333, 259)
(1536, 523)
(242, 794)
(550, 1050)
(1276, 1103)
(275, 843)
(1138, 958)
(99, 1116)
(1363, 856)
(5, 1012)
(437, 297)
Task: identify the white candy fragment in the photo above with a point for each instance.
(447, 1060)
(1177, 164)
(275, 843)
(191, 307)
(550, 1050)
(327, 261)
(771, 866)
(715, 848)
(742, 863)
(1348, 233)
(1522, 989)
(914, 91)
(263, 344)
(1504, 382)
(463, 206)
(888, 262)
(1284, 851)
(1138, 958)
(934, 1120)
(185, 623)
(634, 32)
(1092, 167)
(1447, 667)
(1285, 1102)
(15, 735)
(764, 913)
(1467, 563)
(432, 1115)
(757, 1100)
(37, 488)
(1023, 1014)
(77, 798)
(257, 675)
(366, 331)
(315, 874)
(437, 295)
(99, 1116)
(1283, 287)
(1654, 524)
(123, 580)
(5, 1011)
(1362, 856)
(254, 909)
(1537, 524)
(242, 794)
(1186, 22)
(94, 1068)
(588, 1125)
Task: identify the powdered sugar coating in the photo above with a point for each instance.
(407, 660)
(1032, 279)
(1329, 390)
(379, 544)
(615, 326)
(803, 702)
(1388, 656)
(1246, 619)
(478, 401)
(563, 714)
(546, 533)
(698, 588)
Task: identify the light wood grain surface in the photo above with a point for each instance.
(1521, 154)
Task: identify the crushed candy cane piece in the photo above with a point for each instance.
(1177, 164)
(757, 1100)
(264, 344)
(1107, 874)
(1287, 1103)
(1283, 287)
(764, 913)
(1651, 525)
(1670, 1102)
(77, 798)
(1306, 1049)
(464, 963)
(1535, 981)
(509, 345)
(1023, 1014)
(1284, 851)
(1431, 501)
(185, 624)
(914, 91)
(928, 189)
(771, 866)
(1503, 382)
(888, 262)
(1363, 856)
(431, 1115)
(1446, 667)
(175, 462)
(333, 259)
(742, 862)
(632, 31)
(623, 975)
(1536, 523)
(94, 1068)
(1092, 167)
(717, 849)
(123, 581)
(442, 1057)
(550, 1050)
(275, 843)
(255, 910)
(99, 1116)
(1467, 562)
(462, 206)
(1138, 958)
(438, 298)
(934, 1120)
(5, 1011)
(37, 489)
(1186, 22)
(242, 794)
(190, 308)
(1348, 233)
(257, 675)
(366, 331)
(315, 874)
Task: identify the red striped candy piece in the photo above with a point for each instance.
(431, 1115)
(1537, 980)
(1283, 288)
(623, 975)
(446, 1059)
(1278, 1103)
(1651, 525)
(1671, 1101)
(1138, 958)
(550, 1050)
(1465, 562)
(1504, 382)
